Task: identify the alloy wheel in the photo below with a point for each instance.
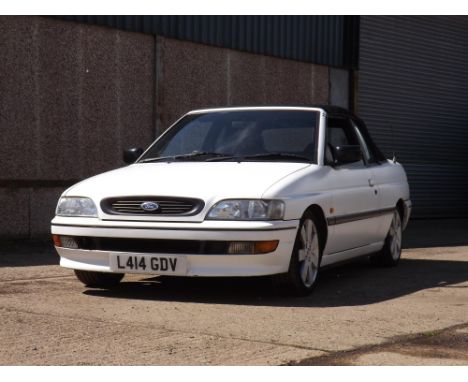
(308, 253)
(395, 236)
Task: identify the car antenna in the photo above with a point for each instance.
(393, 144)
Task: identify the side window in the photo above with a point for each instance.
(375, 156)
(365, 149)
(340, 132)
(337, 137)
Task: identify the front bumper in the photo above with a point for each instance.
(219, 265)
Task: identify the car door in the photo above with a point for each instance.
(381, 178)
(355, 197)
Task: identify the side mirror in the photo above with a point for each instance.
(347, 154)
(131, 155)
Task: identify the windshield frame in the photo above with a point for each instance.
(172, 130)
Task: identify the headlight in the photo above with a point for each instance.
(76, 207)
(256, 209)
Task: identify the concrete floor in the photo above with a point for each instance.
(416, 313)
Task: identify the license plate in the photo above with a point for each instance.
(130, 263)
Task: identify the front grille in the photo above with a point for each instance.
(164, 206)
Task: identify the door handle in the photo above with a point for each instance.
(371, 182)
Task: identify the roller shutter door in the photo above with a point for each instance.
(413, 95)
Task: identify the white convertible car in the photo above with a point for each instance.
(249, 191)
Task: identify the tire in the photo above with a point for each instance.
(390, 254)
(99, 279)
(304, 265)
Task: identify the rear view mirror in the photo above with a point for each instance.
(131, 155)
(347, 154)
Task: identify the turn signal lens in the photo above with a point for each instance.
(252, 247)
(266, 246)
(56, 239)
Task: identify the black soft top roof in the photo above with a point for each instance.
(331, 109)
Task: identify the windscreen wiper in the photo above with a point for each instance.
(276, 155)
(194, 154)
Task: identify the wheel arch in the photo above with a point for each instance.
(404, 209)
(322, 225)
(401, 208)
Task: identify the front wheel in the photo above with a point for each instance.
(391, 251)
(304, 265)
(98, 279)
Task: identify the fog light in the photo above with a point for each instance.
(252, 247)
(65, 241)
(240, 247)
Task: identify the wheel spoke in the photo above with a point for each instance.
(392, 230)
(307, 279)
(315, 260)
(302, 254)
(308, 225)
(315, 268)
(312, 274)
(303, 236)
(398, 239)
(304, 271)
(315, 247)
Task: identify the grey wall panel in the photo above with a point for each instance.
(413, 94)
(235, 78)
(326, 40)
(72, 97)
(339, 87)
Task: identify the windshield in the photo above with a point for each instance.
(255, 135)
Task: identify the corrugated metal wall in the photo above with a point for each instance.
(326, 40)
(413, 94)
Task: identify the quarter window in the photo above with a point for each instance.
(340, 132)
(365, 150)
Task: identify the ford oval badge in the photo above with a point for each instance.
(149, 206)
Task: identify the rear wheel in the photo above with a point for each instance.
(98, 279)
(391, 251)
(304, 265)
